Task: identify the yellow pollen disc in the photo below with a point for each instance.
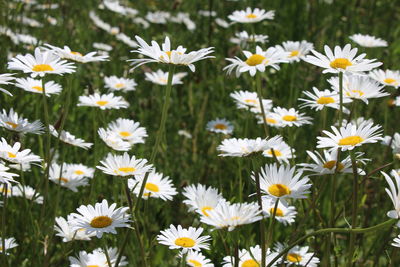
(323, 100)
(195, 263)
(146, 194)
(168, 53)
(278, 213)
(350, 140)
(359, 92)
(251, 16)
(152, 187)
(119, 85)
(3, 190)
(389, 80)
(12, 124)
(11, 155)
(340, 63)
(289, 118)
(101, 222)
(279, 190)
(78, 172)
(250, 263)
(102, 102)
(185, 242)
(38, 88)
(220, 126)
(255, 59)
(293, 257)
(76, 53)
(332, 164)
(65, 180)
(294, 53)
(124, 134)
(92, 266)
(42, 67)
(276, 152)
(235, 218)
(391, 102)
(272, 121)
(205, 209)
(251, 101)
(127, 169)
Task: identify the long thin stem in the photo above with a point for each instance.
(3, 225)
(271, 224)
(260, 97)
(183, 260)
(107, 256)
(340, 98)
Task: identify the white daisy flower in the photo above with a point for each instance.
(267, 104)
(282, 182)
(113, 83)
(14, 155)
(27, 192)
(245, 99)
(284, 213)
(113, 140)
(321, 99)
(251, 15)
(101, 218)
(230, 216)
(158, 17)
(97, 258)
(106, 101)
(80, 170)
(160, 77)
(271, 120)
(196, 259)
(11, 121)
(67, 53)
(9, 244)
(281, 150)
(5, 176)
(368, 40)
(298, 256)
(157, 186)
(128, 130)
(341, 60)
(396, 242)
(242, 38)
(184, 239)
(36, 86)
(207, 13)
(103, 46)
(359, 87)
(249, 258)
(386, 77)
(124, 165)
(393, 142)
(64, 177)
(355, 121)
(69, 138)
(40, 64)
(289, 117)
(222, 23)
(5, 79)
(350, 136)
(202, 199)
(394, 193)
(64, 229)
(297, 50)
(167, 55)
(220, 126)
(235, 147)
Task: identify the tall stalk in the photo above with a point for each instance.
(354, 208)
(260, 97)
(271, 225)
(340, 98)
(3, 225)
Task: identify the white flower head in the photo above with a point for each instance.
(251, 15)
(368, 40)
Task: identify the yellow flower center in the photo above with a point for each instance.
(331, 164)
(76, 53)
(101, 222)
(220, 126)
(12, 124)
(272, 121)
(195, 263)
(152, 187)
(65, 180)
(42, 67)
(126, 169)
(185, 242)
(294, 53)
(119, 85)
(323, 100)
(276, 152)
(124, 134)
(205, 209)
(255, 59)
(279, 190)
(102, 102)
(340, 63)
(293, 257)
(251, 16)
(38, 88)
(92, 266)
(359, 92)
(350, 140)
(389, 80)
(78, 172)
(278, 213)
(289, 118)
(251, 101)
(250, 263)
(11, 155)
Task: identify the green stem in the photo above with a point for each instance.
(354, 208)
(183, 260)
(341, 98)
(3, 225)
(271, 224)
(124, 243)
(260, 97)
(107, 256)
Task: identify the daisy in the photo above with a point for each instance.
(128, 130)
(158, 17)
(97, 258)
(11, 121)
(14, 155)
(124, 165)
(368, 40)
(184, 239)
(220, 126)
(298, 256)
(251, 16)
(281, 150)
(257, 61)
(230, 216)
(106, 101)
(386, 77)
(242, 38)
(5, 176)
(36, 86)
(157, 186)
(67, 53)
(393, 142)
(9, 244)
(62, 176)
(289, 117)
(202, 199)
(326, 163)
(249, 258)
(284, 213)
(350, 136)
(64, 229)
(68, 138)
(245, 99)
(297, 50)
(80, 170)
(282, 182)
(355, 121)
(271, 120)
(27, 192)
(321, 99)
(103, 46)
(341, 60)
(394, 193)
(40, 64)
(359, 87)
(101, 218)
(113, 83)
(267, 104)
(196, 259)
(234, 147)
(5, 79)
(113, 140)
(396, 241)
(167, 55)
(160, 77)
